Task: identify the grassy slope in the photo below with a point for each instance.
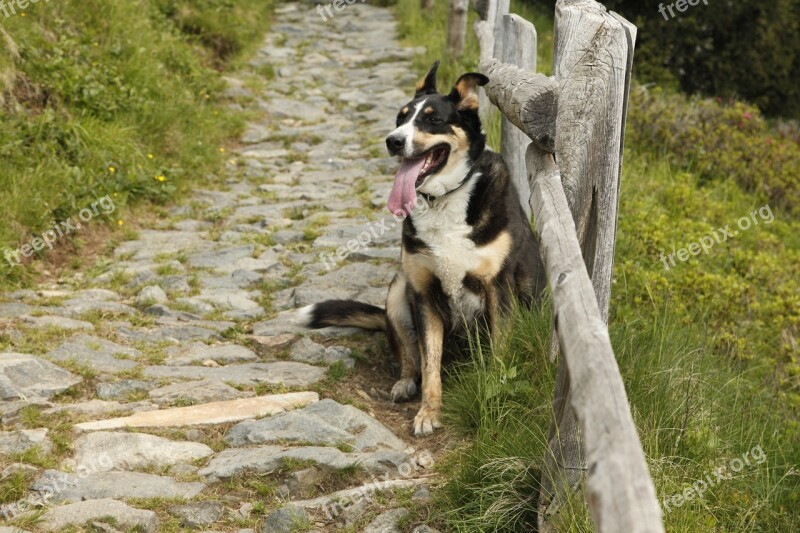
(707, 351)
(103, 97)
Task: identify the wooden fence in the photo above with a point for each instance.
(562, 137)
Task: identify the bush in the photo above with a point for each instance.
(719, 140)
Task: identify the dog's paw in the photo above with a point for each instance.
(404, 390)
(426, 421)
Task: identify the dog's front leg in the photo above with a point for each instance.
(431, 340)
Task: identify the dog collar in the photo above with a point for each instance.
(429, 198)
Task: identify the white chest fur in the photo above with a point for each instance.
(451, 254)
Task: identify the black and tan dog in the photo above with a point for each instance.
(467, 249)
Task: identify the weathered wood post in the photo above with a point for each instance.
(457, 27)
(486, 28)
(519, 49)
(592, 59)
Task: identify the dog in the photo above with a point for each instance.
(467, 252)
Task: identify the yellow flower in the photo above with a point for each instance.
(150, 156)
(222, 150)
(206, 96)
(112, 169)
(160, 178)
(119, 222)
(232, 161)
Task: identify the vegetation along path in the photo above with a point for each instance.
(138, 394)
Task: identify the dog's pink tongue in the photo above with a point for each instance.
(403, 197)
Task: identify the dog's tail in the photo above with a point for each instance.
(345, 313)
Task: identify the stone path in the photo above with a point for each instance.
(170, 388)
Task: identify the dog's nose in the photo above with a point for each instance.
(395, 144)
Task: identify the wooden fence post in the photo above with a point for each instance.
(519, 49)
(487, 29)
(457, 27)
(593, 55)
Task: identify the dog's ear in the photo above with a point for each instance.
(427, 85)
(465, 91)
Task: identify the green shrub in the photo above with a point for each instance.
(718, 140)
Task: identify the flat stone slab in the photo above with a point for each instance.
(234, 461)
(96, 353)
(387, 522)
(198, 352)
(98, 485)
(195, 392)
(26, 376)
(57, 322)
(326, 423)
(133, 451)
(77, 514)
(22, 440)
(209, 413)
(286, 373)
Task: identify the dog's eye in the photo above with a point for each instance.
(435, 120)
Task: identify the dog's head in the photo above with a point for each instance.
(437, 138)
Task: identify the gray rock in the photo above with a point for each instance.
(285, 520)
(120, 390)
(27, 376)
(220, 258)
(196, 392)
(229, 300)
(424, 529)
(197, 515)
(152, 294)
(325, 422)
(307, 351)
(107, 450)
(57, 322)
(235, 280)
(14, 309)
(175, 284)
(198, 352)
(88, 485)
(77, 514)
(287, 373)
(422, 494)
(96, 353)
(22, 440)
(387, 522)
(78, 308)
(232, 461)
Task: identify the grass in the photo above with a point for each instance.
(707, 350)
(113, 98)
